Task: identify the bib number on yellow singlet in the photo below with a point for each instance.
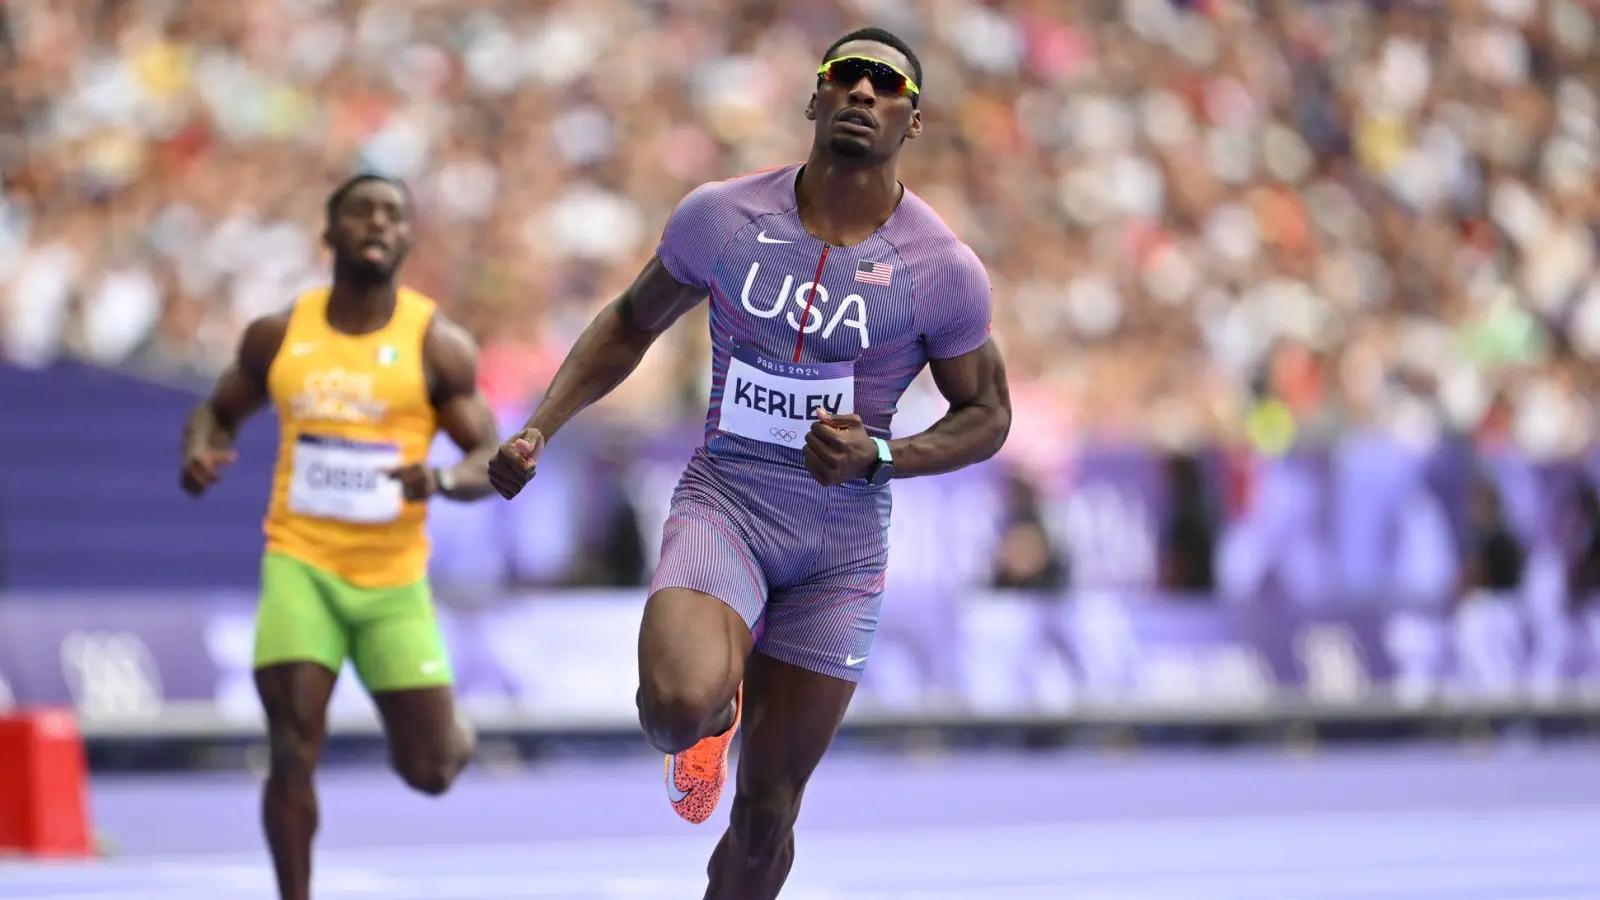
(776, 401)
(343, 480)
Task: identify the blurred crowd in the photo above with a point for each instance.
(1260, 222)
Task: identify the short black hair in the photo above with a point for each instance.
(887, 38)
(331, 209)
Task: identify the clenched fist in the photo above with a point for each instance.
(514, 465)
(202, 468)
(838, 449)
(417, 481)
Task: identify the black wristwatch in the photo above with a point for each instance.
(882, 470)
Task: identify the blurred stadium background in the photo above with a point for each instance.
(1302, 312)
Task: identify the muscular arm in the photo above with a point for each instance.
(613, 344)
(452, 361)
(240, 391)
(975, 427)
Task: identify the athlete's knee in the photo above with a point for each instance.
(295, 698)
(429, 773)
(294, 750)
(432, 768)
(692, 649)
(676, 716)
(433, 782)
(763, 821)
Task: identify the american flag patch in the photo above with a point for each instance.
(874, 272)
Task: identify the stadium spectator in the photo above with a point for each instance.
(1495, 557)
(1184, 188)
(1189, 538)
(1026, 559)
(1238, 224)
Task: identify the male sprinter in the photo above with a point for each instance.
(362, 375)
(831, 287)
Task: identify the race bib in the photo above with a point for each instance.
(343, 480)
(776, 402)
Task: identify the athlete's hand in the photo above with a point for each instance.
(202, 468)
(514, 465)
(417, 481)
(838, 449)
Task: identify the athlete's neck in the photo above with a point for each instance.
(355, 308)
(843, 203)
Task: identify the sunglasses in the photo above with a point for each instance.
(848, 71)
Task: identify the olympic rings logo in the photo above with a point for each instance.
(782, 434)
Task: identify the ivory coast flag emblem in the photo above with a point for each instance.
(387, 355)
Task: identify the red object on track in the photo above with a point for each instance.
(43, 796)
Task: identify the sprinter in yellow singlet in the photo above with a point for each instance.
(362, 375)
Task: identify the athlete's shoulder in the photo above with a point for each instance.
(450, 355)
(268, 328)
(305, 306)
(930, 248)
(712, 213)
(776, 179)
(953, 293)
(447, 336)
(744, 197)
(260, 343)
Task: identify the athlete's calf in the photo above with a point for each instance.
(792, 715)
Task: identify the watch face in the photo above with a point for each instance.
(881, 475)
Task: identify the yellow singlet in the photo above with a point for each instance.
(350, 407)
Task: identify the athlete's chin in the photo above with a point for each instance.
(849, 147)
(370, 271)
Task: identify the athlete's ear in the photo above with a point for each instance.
(914, 130)
(811, 108)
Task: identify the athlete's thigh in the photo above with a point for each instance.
(420, 725)
(398, 651)
(396, 643)
(706, 550)
(799, 682)
(790, 717)
(825, 619)
(707, 593)
(826, 625)
(295, 622)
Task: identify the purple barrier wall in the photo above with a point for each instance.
(569, 655)
(1368, 518)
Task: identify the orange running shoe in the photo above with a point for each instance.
(695, 777)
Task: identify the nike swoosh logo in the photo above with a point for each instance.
(673, 793)
(302, 349)
(763, 239)
(854, 660)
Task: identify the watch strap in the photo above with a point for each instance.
(444, 479)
